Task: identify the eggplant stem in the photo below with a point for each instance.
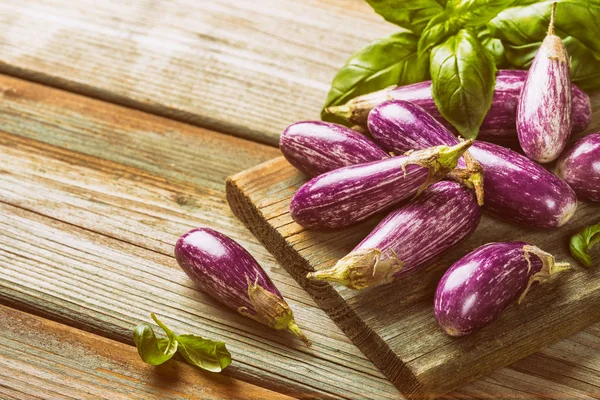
(550, 267)
(343, 111)
(552, 18)
(293, 327)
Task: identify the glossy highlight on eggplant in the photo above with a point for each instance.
(580, 167)
(316, 147)
(223, 269)
(352, 194)
(408, 238)
(499, 125)
(482, 284)
(515, 188)
(545, 110)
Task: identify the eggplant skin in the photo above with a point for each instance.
(402, 243)
(444, 215)
(516, 188)
(499, 125)
(479, 286)
(580, 167)
(545, 109)
(219, 267)
(316, 147)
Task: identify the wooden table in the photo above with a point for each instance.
(119, 122)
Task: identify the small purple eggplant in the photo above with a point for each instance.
(545, 110)
(580, 167)
(316, 147)
(226, 271)
(516, 188)
(499, 125)
(352, 194)
(479, 286)
(409, 237)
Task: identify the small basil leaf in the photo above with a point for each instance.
(463, 78)
(385, 62)
(411, 14)
(582, 242)
(495, 47)
(204, 353)
(151, 349)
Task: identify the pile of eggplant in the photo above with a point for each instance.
(433, 185)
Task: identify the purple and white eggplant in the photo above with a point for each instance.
(580, 167)
(499, 125)
(316, 147)
(545, 110)
(479, 286)
(223, 269)
(516, 188)
(352, 194)
(408, 238)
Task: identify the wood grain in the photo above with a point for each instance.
(88, 223)
(394, 325)
(44, 359)
(249, 68)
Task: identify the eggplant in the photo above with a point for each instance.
(545, 109)
(479, 286)
(499, 125)
(516, 188)
(316, 147)
(580, 167)
(223, 269)
(408, 238)
(352, 194)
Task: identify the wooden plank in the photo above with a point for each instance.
(72, 221)
(244, 67)
(44, 359)
(394, 325)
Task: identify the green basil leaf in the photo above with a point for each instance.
(385, 62)
(495, 47)
(582, 242)
(460, 14)
(585, 64)
(528, 23)
(463, 74)
(204, 353)
(151, 349)
(409, 14)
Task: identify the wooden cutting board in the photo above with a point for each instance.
(394, 325)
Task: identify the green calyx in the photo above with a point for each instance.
(550, 268)
(361, 269)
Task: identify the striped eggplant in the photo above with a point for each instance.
(408, 238)
(223, 269)
(499, 125)
(545, 109)
(316, 147)
(516, 188)
(479, 286)
(351, 194)
(580, 167)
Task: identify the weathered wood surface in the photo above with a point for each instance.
(92, 199)
(247, 67)
(41, 359)
(394, 325)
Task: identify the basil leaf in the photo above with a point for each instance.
(410, 14)
(463, 75)
(385, 62)
(582, 242)
(585, 64)
(151, 349)
(525, 24)
(495, 47)
(204, 353)
(460, 14)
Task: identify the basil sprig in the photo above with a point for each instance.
(461, 43)
(204, 353)
(582, 242)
